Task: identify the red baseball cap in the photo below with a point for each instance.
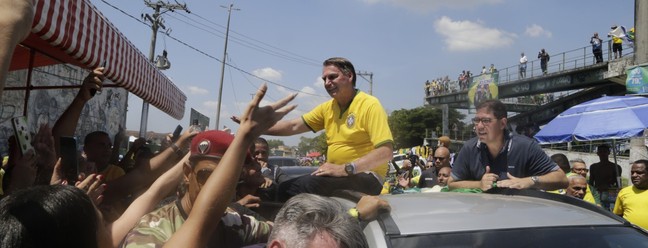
(212, 144)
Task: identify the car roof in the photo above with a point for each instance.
(453, 212)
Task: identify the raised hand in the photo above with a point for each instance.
(24, 171)
(44, 146)
(92, 83)
(258, 119)
(93, 186)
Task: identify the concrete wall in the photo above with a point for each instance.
(591, 158)
(104, 112)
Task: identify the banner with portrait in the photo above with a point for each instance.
(483, 87)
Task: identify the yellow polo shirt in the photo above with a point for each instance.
(354, 132)
(631, 204)
(112, 172)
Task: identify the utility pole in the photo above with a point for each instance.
(220, 88)
(370, 80)
(156, 23)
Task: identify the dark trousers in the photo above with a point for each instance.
(362, 182)
(598, 54)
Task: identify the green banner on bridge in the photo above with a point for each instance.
(483, 87)
(637, 80)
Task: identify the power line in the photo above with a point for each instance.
(210, 56)
(245, 43)
(309, 60)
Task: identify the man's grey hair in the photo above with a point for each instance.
(577, 160)
(574, 177)
(305, 216)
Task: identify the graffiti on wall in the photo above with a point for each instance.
(106, 111)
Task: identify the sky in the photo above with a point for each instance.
(402, 42)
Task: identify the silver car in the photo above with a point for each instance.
(510, 218)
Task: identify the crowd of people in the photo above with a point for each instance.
(439, 86)
(617, 34)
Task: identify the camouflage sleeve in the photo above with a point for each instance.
(145, 238)
(248, 228)
(154, 229)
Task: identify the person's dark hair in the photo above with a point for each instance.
(94, 135)
(344, 65)
(562, 161)
(603, 146)
(261, 141)
(48, 216)
(305, 215)
(497, 107)
(642, 161)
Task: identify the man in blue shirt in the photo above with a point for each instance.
(497, 158)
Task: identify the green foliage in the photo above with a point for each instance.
(408, 125)
(275, 143)
(315, 144)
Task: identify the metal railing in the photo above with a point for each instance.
(558, 63)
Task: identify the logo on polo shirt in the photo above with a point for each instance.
(350, 120)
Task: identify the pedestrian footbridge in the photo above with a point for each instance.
(573, 77)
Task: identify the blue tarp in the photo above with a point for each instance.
(608, 117)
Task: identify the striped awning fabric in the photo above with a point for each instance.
(78, 30)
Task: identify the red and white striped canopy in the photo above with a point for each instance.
(76, 32)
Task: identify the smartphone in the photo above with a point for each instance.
(69, 158)
(176, 133)
(93, 92)
(195, 126)
(23, 136)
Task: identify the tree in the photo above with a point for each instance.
(305, 145)
(408, 126)
(315, 144)
(275, 143)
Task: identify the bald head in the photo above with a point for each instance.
(577, 186)
(441, 157)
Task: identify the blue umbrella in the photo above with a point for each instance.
(608, 117)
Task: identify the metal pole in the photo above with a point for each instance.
(371, 84)
(156, 23)
(145, 105)
(220, 88)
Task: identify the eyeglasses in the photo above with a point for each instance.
(581, 169)
(203, 175)
(439, 158)
(485, 121)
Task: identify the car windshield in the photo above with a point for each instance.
(593, 237)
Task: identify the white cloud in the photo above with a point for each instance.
(536, 30)
(268, 73)
(197, 90)
(431, 5)
(470, 36)
(211, 105)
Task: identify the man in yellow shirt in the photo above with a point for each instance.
(617, 40)
(632, 201)
(98, 147)
(359, 139)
